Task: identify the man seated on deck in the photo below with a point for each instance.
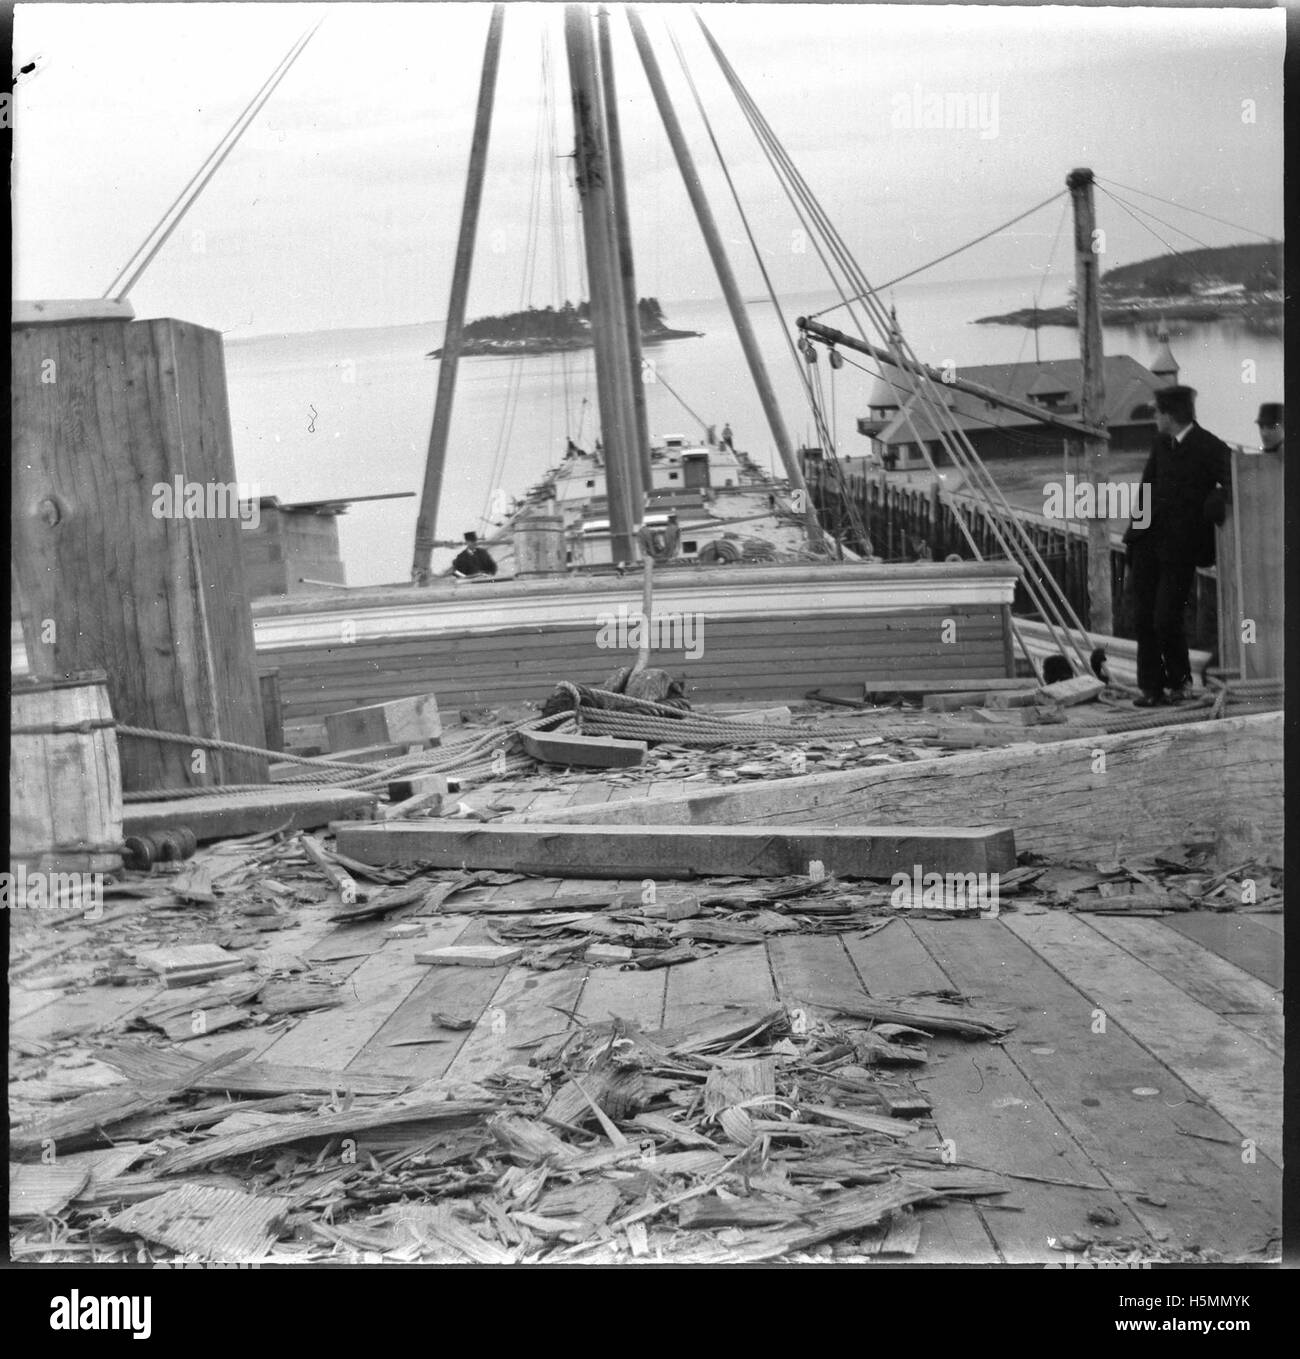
(474, 560)
(1186, 478)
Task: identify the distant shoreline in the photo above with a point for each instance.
(1257, 313)
(494, 348)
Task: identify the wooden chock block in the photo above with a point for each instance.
(401, 722)
(1080, 689)
(399, 790)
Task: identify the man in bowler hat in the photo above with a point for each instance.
(1188, 475)
(1270, 422)
(474, 560)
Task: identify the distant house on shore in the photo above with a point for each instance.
(898, 425)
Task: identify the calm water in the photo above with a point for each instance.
(345, 413)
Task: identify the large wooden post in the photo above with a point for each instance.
(1250, 566)
(127, 537)
(1092, 402)
(427, 522)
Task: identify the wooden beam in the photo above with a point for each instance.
(837, 337)
(218, 816)
(647, 851)
(922, 687)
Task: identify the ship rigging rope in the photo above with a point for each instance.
(787, 171)
(921, 268)
(662, 381)
(189, 195)
(1133, 209)
(825, 434)
(1169, 202)
(1046, 595)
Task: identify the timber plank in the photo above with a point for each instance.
(1238, 1077)
(1234, 938)
(646, 851)
(1168, 1147)
(1241, 999)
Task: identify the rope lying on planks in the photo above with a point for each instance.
(598, 712)
(475, 760)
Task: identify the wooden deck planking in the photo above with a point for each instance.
(461, 992)
(993, 1115)
(891, 962)
(733, 976)
(590, 792)
(521, 1012)
(98, 1007)
(332, 1038)
(634, 996)
(23, 1002)
(1221, 986)
(808, 966)
(1235, 938)
(1235, 1075)
(1169, 1146)
(1271, 921)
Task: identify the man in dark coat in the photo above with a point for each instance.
(1187, 477)
(474, 560)
(1270, 422)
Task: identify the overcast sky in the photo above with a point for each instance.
(340, 206)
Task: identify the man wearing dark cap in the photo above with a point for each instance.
(1271, 432)
(474, 560)
(1187, 476)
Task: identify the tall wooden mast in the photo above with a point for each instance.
(427, 522)
(726, 279)
(1092, 402)
(608, 331)
(623, 250)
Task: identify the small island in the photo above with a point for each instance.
(551, 330)
(1231, 282)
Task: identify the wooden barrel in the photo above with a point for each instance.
(539, 545)
(65, 783)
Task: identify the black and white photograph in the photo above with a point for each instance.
(647, 635)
